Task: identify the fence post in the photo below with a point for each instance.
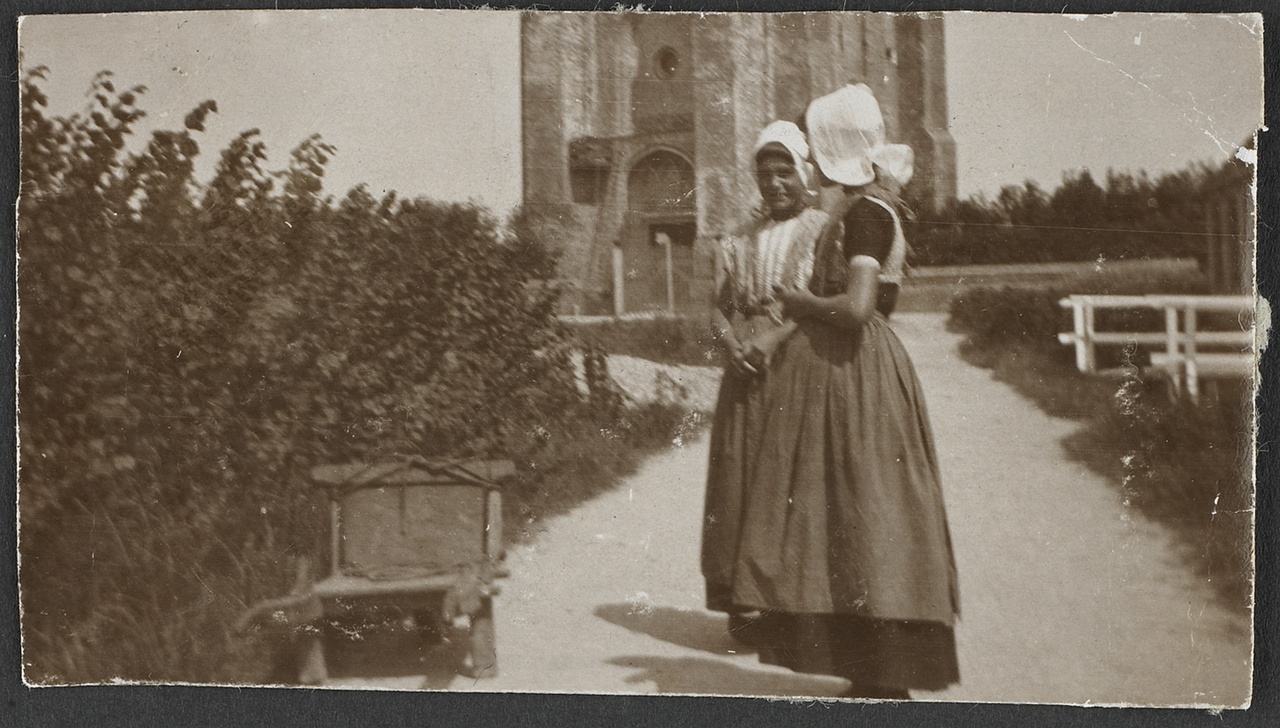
(664, 240)
(1189, 351)
(1171, 347)
(1077, 327)
(619, 281)
(1090, 356)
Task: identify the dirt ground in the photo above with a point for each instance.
(1068, 596)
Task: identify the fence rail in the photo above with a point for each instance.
(1178, 350)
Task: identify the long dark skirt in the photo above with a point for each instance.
(843, 539)
(735, 438)
(890, 654)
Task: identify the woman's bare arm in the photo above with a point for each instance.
(851, 309)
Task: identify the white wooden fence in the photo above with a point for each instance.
(1183, 351)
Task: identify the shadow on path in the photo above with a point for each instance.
(706, 676)
(708, 633)
(684, 627)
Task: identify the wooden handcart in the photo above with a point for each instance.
(421, 537)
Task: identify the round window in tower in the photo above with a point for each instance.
(666, 62)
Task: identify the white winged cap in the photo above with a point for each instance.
(788, 135)
(847, 139)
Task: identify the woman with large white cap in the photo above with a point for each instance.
(773, 249)
(844, 545)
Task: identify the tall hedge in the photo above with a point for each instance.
(189, 349)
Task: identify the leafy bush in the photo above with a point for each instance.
(190, 350)
(992, 316)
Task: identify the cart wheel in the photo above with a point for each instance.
(312, 669)
(484, 644)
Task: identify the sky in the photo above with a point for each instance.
(427, 102)
(423, 102)
(1031, 97)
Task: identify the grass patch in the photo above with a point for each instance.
(1182, 464)
(664, 339)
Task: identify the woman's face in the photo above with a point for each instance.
(780, 184)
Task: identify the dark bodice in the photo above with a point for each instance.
(859, 226)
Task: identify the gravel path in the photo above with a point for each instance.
(1068, 597)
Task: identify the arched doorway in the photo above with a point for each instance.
(658, 235)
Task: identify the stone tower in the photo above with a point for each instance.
(638, 129)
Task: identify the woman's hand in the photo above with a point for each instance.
(733, 349)
(741, 359)
(849, 310)
(762, 347)
(796, 302)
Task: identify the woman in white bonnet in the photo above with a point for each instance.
(844, 546)
(773, 249)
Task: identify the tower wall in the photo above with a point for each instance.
(602, 90)
(922, 68)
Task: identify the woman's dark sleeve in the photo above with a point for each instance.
(868, 230)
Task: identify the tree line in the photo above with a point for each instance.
(1126, 216)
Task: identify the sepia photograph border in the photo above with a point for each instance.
(191, 705)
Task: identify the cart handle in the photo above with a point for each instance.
(483, 473)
